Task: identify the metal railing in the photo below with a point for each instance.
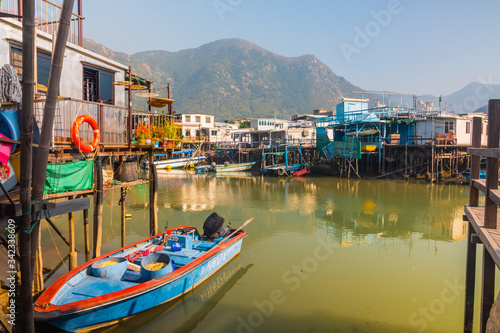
(47, 16)
(112, 120)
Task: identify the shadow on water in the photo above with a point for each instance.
(187, 312)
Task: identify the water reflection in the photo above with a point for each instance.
(185, 313)
(393, 245)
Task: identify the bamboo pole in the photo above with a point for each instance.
(71, 231)
(49, 114)
(86, 238)
(123, 193)
(153, 198)
(98, 208)
(26, 320)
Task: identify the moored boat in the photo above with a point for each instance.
(177, 159)
(226, 167)
(138, 277)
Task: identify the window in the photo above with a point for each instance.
(98, 85)
(467, 127)
(188, 132)
(198, 119)
(448, 126)
(43, 62)
(214, 133)
(207, 120)
(188, 119)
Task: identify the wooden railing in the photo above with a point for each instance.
(47, 16)
(483, 221)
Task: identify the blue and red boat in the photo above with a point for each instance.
(118, 285)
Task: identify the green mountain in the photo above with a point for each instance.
(233, 78)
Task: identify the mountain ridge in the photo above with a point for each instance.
(234, 78)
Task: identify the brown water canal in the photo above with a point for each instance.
(322, 255)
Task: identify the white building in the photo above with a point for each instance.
(263, 124)
(449, 128)
(197, 126)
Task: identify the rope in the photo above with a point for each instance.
(57, 249)
(28, 231)
(10, 89)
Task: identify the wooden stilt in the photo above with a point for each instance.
(488, 288)
(86, 238)
(490, 208)
(38, 284)
(153, 200)
(123, 193)
(71, 228)
(470, 272)
(98, 207)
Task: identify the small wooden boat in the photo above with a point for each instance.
(124, 282)
(226, 167)
(178, 159)
(363, 132)
(234, 167)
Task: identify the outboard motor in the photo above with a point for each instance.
(214, 227)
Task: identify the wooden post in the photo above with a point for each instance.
(98, 207)
(406, 158)
(71, 230)
(123, 193)
(488, 288)
(383, 159)
(129, 131)
(38, 284)
(470, 271)
(432, 160)
(25, 311)
(86, 238)
(153, 198)
(490, 208)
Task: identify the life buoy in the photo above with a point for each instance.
(86, 148)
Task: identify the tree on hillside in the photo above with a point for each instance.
(245, 124)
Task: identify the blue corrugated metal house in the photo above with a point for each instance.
(350, 109)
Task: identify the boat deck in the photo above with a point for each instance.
(85, 285)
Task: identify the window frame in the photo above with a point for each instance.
(101, 73)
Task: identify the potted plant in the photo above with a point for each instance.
(142, 133)
(171, 134)
(158, 133)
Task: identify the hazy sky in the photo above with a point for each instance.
(408, 46)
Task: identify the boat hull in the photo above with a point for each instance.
(234, 167)
(78, 318)
(176, 162)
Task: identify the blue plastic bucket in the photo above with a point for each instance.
(175, 247)
(9, 126)
(147, 273)
(110, 268)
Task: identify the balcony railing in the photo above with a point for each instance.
(112, 120)
(47, 16)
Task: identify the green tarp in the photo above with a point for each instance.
(68, 177)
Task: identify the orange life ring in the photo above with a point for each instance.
(86, 148)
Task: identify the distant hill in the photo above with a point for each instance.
(233, 78)
(472, 97)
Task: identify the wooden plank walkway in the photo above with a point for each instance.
(490, 238)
